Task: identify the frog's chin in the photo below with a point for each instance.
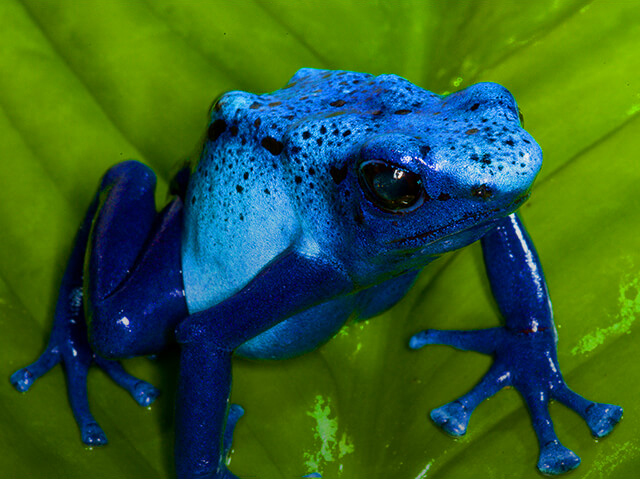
(466, 229)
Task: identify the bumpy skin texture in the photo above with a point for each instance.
(310, 205)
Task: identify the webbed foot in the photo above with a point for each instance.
(526, 360)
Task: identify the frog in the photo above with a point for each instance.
(310, 207)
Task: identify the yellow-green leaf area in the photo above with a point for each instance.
(84, 85)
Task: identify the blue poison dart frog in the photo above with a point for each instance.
(318, 202)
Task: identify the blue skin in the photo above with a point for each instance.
(309, 205)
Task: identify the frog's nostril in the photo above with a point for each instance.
(482, 191)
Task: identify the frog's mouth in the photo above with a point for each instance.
(464, 223)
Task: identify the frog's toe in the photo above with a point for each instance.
(141, 391)
(556, 459)
(419, 340)
(453, 418)
(24, 378)
(93, 435)
(144, 393)
(601, 418)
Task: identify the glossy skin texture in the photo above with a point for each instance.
(311, 205)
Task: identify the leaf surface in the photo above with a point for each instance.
(84, 85)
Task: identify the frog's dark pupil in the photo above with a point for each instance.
(390, 188)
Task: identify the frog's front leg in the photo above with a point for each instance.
(524, 350)
(290, 284)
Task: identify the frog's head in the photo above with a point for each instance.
(438, 178)
(379, 172)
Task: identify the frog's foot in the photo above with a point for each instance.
(77, 358)
(527, 361)
(76, 362)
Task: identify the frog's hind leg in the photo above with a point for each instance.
(122, 223)
(68, 342)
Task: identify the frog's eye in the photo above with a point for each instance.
(389, 187)
(521, 117)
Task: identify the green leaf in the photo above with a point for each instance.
(86, 84)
